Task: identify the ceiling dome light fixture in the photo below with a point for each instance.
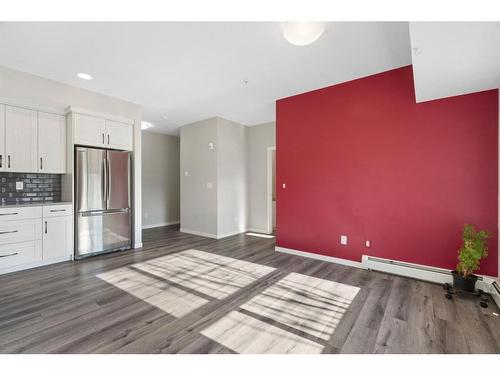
(146, 125)
(302, 33)
(84, 76)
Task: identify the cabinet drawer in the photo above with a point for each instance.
(19, 231)
(20, 253)
(57, 210)
(8, 214)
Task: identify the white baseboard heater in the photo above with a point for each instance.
(416, 271)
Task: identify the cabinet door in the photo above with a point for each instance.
(51, 143)
(119, 135)
(20, 140)
(89, 130)
(57, 237)
(2, 137)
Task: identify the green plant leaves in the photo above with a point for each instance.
(473, 249)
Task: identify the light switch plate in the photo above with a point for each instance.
(19, 185)
(343, 240)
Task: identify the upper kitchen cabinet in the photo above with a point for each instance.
(2, 137)
(51, 143)
(20, 140)
(101, 132)
(89, 130)
(119, 135)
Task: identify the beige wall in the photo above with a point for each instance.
(199, 178)
(259, 138)
(231, 178)
(213, 180)
(160, 179)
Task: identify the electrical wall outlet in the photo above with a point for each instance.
(343, 240)
(19, 185)
(368, 243)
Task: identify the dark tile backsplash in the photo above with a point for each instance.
(37, 188)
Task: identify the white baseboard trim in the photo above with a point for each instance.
(198, 233)
(149, 226)
(229, 234)
(325, 258)
(40, 263)
(258, 230)
(211, 235)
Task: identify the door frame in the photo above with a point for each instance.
(269, 194)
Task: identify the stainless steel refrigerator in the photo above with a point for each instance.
(102, 201)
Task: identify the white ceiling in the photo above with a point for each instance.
(454, 58)
(185, 72)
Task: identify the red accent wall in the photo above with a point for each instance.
(363, 159)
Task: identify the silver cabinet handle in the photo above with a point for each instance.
(45, 227)
(9, 231)
(0, 161)
(8, 161)
(61, 210)
(108, 139)
(102, 138)
(8, 255)
(11, 213)
(41, 163)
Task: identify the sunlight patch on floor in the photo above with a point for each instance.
(182, 282)
(306, 307)
(247, 335)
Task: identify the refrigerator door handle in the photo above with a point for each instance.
(109, 181)
(105, 182)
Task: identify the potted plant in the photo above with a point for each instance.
(473, 249)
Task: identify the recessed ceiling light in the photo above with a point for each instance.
(146, 125)
(302, 33)
(84, 76)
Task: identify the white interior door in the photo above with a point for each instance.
(21, 140)
(51, 143)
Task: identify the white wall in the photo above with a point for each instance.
(199, 186)
(231, 178)
(30, 90)
(259, 138)
(160, 179)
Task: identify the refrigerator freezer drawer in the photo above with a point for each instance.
(102, 232)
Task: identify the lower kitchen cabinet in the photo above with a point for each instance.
(57, 237)
(32, 236)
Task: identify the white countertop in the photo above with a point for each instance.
(34, 204)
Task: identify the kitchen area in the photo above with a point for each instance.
(66, 184)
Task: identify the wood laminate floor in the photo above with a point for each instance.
(187, 294)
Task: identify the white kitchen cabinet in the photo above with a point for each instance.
(16, 256)
(57, 237)
(51, 143)
(20, 140)
(2, 137)
(119, 135)
(32, 236)
(89, 130)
